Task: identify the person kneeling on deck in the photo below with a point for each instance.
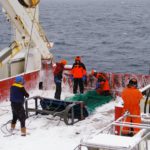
(102, 84)
(17, 94)
(58, 77)
(131, 97)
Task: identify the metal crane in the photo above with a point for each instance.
(33, 39)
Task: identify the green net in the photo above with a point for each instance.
(91, 99)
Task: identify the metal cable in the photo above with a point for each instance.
(5, 125)
(30, 40)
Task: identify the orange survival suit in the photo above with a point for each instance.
(102, 85)
(131, 97)
(78, 72)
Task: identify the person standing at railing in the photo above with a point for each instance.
(78, 73)
(58, 77)
(17, 98)
(131, 97)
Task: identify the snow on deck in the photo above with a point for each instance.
(46, 132)
(114, 141)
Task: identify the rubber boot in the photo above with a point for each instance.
(23, 131)
(13, 126)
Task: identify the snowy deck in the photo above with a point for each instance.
(107, 139)
(111, 141)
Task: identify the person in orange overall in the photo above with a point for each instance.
(102, 84)
(131, 97)
(78, 73)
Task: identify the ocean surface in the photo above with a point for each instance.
(110, 35)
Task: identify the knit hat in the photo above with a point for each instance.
(133, 82)
(19, 79)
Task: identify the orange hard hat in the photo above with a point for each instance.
(63, 61)
(93, 72)
(78, 58)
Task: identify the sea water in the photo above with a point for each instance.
(109, 35)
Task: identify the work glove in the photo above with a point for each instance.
(97, 85)
(71, 77)
(84, 78)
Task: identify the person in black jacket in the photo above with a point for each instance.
(58, 77)
(17, 98)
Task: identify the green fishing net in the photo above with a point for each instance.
(91, 99)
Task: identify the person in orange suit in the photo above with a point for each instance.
(131, 97)
(102, 84)
(58, 77)
(78, 73)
